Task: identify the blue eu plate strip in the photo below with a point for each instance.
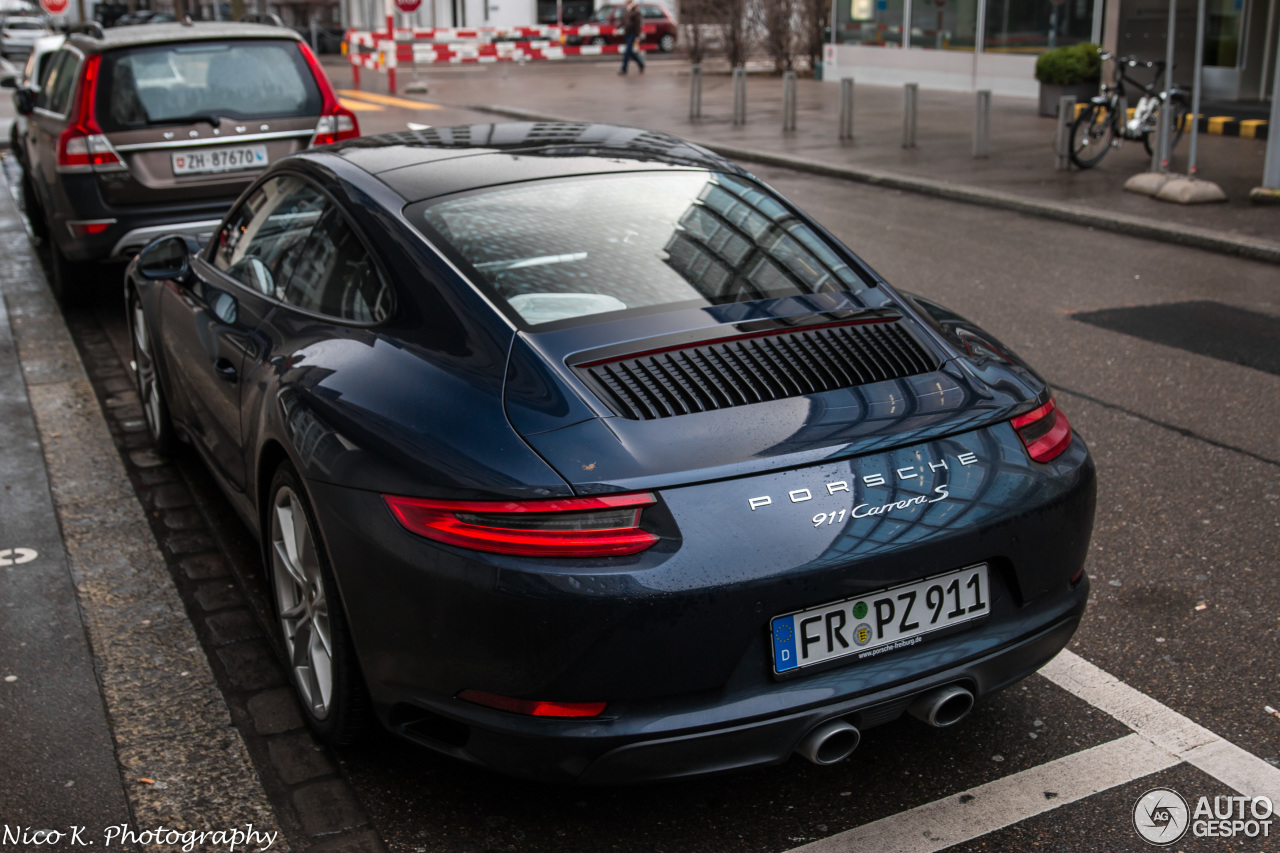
(784, 644)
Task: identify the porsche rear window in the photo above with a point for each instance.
(563, 249)
(199, 81)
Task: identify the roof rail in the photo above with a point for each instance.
(92, 29)
(270, 19)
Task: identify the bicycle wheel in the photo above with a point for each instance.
(1181, 111)
(1091, 134)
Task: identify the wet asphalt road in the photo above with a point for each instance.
(1186, 597)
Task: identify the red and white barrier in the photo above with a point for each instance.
(386, 50)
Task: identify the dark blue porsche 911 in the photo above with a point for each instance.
(578, 453)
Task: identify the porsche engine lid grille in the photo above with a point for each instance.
(755, 368)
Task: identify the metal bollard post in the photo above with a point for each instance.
(789, 101)
(1062, 141)
(739, 95)
(846, 108)
(695, 91)
(910, 93)
(982, 125)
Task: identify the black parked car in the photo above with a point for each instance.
(585, 456)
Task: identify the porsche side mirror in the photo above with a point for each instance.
(24, 101)
(168, 257)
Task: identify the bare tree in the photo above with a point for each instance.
(776, 23)
(737, 30)
(693, 15)
(812, 19)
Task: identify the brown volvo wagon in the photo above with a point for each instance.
(139, 132)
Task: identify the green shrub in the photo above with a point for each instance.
(1065, 66)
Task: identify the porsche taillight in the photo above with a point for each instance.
(602, 526)
(336, 121)
(1044, 431)
(82, 147)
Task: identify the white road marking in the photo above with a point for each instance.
(1164, 727)
(17, 556)
(970, 814)
(1162, 738)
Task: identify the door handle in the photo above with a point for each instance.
(226, 370)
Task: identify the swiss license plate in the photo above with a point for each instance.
(203, 161)
(879, 622)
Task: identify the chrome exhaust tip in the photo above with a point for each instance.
(942, 706)
(830, 743)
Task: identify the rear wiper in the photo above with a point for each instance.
(208, 118)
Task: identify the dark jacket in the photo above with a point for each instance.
(631, 22)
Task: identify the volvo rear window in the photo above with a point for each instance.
(561, 249)
(199, 81)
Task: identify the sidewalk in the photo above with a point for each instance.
(1019, 173)
(109, 712)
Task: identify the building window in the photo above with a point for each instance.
(872, 23)
(944, 24)
(1032, 26)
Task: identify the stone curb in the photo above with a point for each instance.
(1133, 226)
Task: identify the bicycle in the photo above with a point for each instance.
(1104, 123)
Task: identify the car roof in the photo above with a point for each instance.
(165, 33)
(422, 164)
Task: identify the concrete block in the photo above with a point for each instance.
(327, 807)
(203, 566)
(251, 665)
(275, 711)
(297, 757)
(1146, 183)
(1264, 195)
(1190, 191)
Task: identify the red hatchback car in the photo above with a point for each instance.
(659, 26)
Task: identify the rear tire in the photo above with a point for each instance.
(35, 213)
(1091, 135)
(69, 277)
(667, 43)
(317, 644)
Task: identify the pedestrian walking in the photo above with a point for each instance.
(632, 30)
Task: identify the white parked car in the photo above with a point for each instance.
(18, 34)
(30, 77)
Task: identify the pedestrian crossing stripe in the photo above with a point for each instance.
(385, 100)
(359, 106)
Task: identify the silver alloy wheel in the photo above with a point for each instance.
(145, 365)
(303, 605)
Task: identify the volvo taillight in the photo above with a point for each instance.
(603, 526)
(1044, 431)
(82, 147)
(336, 121)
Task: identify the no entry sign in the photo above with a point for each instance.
(405, 6)
(54, 7)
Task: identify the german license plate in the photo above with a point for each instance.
(203, 161)
(879, 622)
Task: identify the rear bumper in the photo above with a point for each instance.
(131, 228)
(676, 639)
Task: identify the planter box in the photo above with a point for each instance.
(1049, 95)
